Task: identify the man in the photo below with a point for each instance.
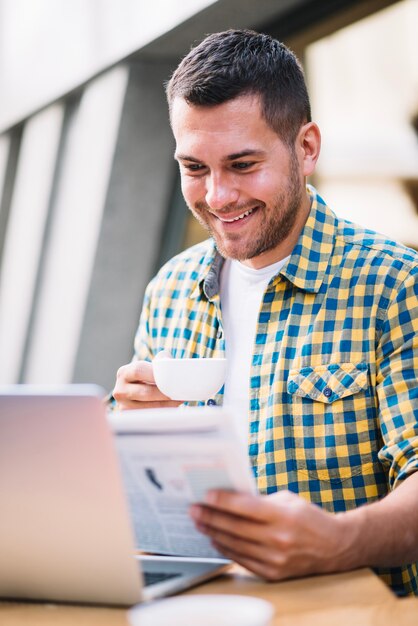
(318, 319)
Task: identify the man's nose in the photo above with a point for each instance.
(220, 192)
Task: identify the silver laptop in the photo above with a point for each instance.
(65, 528)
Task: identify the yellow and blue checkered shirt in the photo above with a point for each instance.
(333, 389)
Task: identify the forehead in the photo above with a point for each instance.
(229, 127)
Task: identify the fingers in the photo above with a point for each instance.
(216, 523)
(250, 544)
(261, 568)
(136, 372)
(135, 388)
(262, 509)
(125, 405)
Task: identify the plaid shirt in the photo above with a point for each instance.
(333, 394)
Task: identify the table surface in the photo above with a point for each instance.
(357, 597)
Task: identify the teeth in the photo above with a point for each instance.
(240, 217)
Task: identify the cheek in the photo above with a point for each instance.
(193, 190)
(262, 187)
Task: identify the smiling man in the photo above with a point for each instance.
(318, 319)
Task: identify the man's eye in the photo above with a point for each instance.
(242, 165)
(194, 167)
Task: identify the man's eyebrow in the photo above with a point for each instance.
(244, 153)
(185, 157)
(229, 157)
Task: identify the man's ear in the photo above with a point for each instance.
(308, 146)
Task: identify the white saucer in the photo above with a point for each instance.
(204, 610)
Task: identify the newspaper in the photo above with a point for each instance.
(169, 459)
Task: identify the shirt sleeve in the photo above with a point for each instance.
(143, 340)
(397, 383)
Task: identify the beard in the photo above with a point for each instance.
(278, 220)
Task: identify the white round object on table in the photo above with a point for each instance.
(203, 610)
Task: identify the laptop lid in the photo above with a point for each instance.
(65, 532)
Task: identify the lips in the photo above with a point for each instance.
(237, 218)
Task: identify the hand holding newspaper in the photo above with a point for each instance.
(169, 459)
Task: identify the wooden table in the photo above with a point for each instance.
(353, 598)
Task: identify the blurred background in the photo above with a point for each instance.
(90, 201)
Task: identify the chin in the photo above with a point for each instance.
(235, 255)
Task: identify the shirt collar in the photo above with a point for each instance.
(307, 264)
(310, 257)
(209, 273)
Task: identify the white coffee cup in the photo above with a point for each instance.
(189, 379)
(204, 610)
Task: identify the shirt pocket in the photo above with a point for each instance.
(328, 383)
(333, 415)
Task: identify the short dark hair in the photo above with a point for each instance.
(239, 62)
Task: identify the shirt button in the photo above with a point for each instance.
(211, 402)
(327, 392)
(219, 334)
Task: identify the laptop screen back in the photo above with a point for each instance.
(65, 532)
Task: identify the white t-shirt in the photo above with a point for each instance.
(241, 291)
